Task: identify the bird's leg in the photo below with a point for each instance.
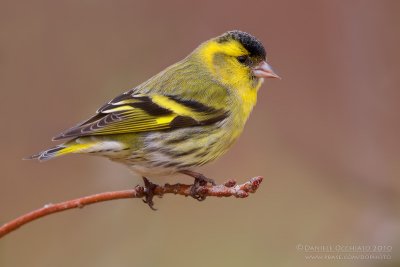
(149, 191)
(199, 180)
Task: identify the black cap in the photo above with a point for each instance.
(248, 41)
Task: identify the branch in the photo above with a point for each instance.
(227, 189)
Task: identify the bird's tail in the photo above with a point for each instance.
(60, 150)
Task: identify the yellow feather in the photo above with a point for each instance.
(167, 103)
(232, 74)
(165, 119)
(120, 108)
(73, 148)
(210, 49)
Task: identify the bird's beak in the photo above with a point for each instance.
(264, 70)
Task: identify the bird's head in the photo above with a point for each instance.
(236, 59)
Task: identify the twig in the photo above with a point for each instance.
(227, 189)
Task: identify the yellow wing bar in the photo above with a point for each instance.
(140, 113)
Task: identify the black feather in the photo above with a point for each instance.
(251, 43)
(151, 108)
(194, 105)
(183, 121)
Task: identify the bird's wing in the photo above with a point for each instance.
(133, 113)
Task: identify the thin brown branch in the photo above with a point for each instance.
(227, 189)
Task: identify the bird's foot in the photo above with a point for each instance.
(149, 193)
(199, 182)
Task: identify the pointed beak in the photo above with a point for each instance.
(264, 71)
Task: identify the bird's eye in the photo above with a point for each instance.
(242, 59)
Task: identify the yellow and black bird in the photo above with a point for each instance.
(185, 116)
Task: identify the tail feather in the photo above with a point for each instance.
(48, 154)
(79, 145)
(70, 147)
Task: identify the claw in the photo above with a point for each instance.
(149, 193)
(195, 191)
(199, 181)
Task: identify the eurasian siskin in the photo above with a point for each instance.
(185, 116)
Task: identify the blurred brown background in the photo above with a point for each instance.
(325, 137)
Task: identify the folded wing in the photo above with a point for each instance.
(133, 113)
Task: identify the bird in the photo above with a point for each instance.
(187, 115)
